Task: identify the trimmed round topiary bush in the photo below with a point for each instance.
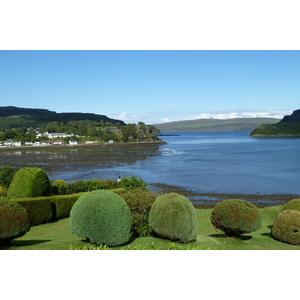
(14, 220)
(102, 217)
(59, 187)
(286, 227)
(235, 217)
(173, 216)
(29, 182)
(292, 205)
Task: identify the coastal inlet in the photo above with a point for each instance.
(207, 166)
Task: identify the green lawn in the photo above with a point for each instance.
(56, 236)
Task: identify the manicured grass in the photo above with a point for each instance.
(57, 236)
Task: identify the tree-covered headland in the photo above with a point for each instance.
(289, 126)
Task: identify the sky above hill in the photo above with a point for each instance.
(153, 86)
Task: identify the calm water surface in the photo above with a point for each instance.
(222, 162)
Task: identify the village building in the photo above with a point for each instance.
(57, 142)
(11, 143)
(54, 135)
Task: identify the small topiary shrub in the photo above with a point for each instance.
(14, 221)
(292, 205)
(286, 227)
(59, 187)
(139, 202)
(29, 182)
(102, 217)
(173, 216)
(235, 217)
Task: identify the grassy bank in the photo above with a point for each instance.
(57, 236)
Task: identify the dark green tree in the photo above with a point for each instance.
(6, 176)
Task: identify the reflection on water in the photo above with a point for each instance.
(83, 162)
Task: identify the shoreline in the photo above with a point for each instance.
(276, 136)
(51, 146)
(209, 200)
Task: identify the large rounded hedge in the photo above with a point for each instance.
(29, 182)
(102, 217)
(235, 217)
(14, 220)
(292, 205)
(173, 216)
(286, 227)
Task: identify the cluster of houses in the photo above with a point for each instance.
(52, 140)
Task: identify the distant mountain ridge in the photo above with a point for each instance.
(235, 124)
(289, 126)
(11, 116)
(7, 111)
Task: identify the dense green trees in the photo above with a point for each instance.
(104, 131)
(279, 129)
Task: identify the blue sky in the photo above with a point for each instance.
(153, 86)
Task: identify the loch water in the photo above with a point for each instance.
(224, 162)
(216, 162)
(232, 162)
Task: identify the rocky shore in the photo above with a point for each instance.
(209, 200)
(68, 146)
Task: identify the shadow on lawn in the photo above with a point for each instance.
(269, 234)
(23, 243)
(241, 237)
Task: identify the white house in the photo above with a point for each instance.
(10, 143)
(54, 135)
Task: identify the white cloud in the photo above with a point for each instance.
(127, 118)
(181, 115)
(242, 114)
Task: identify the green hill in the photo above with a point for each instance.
(16, 117)
(289, 126)
(236, 124)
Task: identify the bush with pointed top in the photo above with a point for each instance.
(286, 227)
(235, 217)
(102, 217)
(14, 220)
(29, 182)
(173, 216)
